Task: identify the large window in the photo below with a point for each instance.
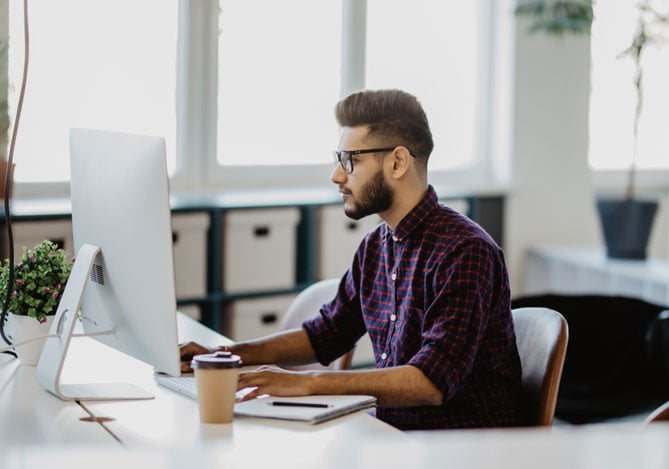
(244, 90)
(433, 50)
(278, 80)
(613, 98)
(106, 65)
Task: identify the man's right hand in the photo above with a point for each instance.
(188, 351)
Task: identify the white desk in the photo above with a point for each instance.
(584, 270)
(29, 414)
(594, 447)
(166, 433)
(623, 446)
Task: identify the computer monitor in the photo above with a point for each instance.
(122, 281)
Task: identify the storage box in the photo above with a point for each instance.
(256, 317)
(259, 251)
(338, 239)
(189, 238)
(30, 233)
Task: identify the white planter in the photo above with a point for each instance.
(21, 328)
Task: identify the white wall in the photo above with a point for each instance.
(551, 197)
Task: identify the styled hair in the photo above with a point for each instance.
(392, 116)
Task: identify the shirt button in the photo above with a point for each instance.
(393, 276)
(384, 355)
(393, 317)
(395, 238)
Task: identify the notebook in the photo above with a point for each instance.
(309, 409)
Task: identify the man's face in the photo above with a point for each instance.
(365, 190)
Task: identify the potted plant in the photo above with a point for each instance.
(626, 221)
(39, 280)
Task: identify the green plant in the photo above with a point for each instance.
(39, 280)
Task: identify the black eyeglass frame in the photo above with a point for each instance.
(345, 157)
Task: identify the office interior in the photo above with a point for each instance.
(249, 238)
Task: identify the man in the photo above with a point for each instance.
(429, 285)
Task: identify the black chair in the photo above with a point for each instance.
(617, 360)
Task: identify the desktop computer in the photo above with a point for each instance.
(122, 284)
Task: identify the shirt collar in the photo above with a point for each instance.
(415, 217)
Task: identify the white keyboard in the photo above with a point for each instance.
(187, 386)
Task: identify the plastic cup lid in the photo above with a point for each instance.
(216, 360)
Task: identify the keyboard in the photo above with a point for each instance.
(187, 386)
(184, 385)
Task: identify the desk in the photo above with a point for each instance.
(583, 270)
(614, 446)
(30, 415)
(594, 447)
(166, 433)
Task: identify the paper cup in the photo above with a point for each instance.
(216, 376)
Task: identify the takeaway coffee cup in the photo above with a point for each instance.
(216, 376)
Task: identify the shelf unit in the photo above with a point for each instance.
(487, 210)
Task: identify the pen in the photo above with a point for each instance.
(299, 404)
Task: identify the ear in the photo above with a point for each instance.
(401, 162)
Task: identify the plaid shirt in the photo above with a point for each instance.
(433, 294)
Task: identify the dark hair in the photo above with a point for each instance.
(394, 116)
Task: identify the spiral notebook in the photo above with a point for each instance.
(309, 409)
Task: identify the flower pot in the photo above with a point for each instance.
(21, 328)
(627, 225)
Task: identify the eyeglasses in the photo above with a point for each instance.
(345, 157)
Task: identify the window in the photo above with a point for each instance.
(432, 50)
(278, 76)
(416, 45)
(106, 65)
(613, 98)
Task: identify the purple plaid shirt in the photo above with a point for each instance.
(433, 294)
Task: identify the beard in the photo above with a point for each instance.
(375, 197)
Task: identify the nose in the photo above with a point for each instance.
(338, 175)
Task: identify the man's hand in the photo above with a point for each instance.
(275, 381)
(188, 351)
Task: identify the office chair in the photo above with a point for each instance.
(541, 337)
(661, 414)
(305, 306)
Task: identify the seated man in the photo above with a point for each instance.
(429, 285)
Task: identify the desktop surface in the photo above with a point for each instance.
(40, 430)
